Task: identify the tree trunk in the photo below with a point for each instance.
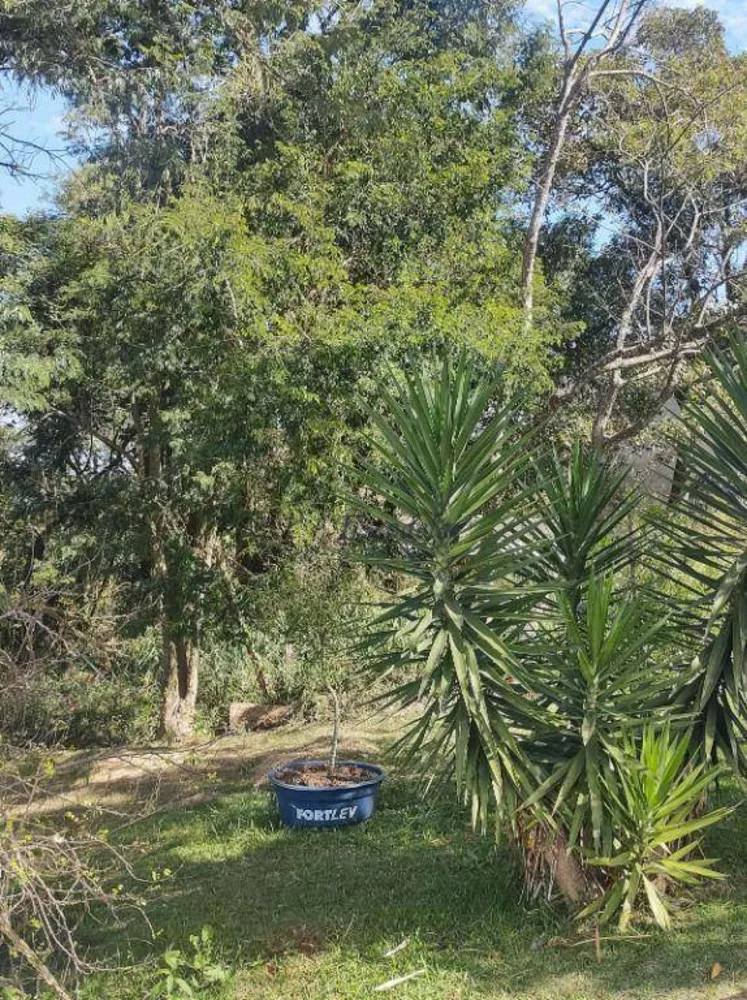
(179, 685)
(179, 654)
(541, 201)
(583, 54)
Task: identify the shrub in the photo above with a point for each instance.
(82, 705)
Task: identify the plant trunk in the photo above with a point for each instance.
(179, 685)
(568, 874)
(550, 864)
(335, 730)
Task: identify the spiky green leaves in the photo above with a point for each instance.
(587, 511)
(451, 476)
(597, 681)
(709, 532)
(655, 799)
(538, 678)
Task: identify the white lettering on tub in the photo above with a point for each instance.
(325, 815)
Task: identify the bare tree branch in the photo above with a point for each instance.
(617, 19)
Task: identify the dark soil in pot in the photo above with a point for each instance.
(313, 775)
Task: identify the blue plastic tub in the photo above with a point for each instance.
(326, 807)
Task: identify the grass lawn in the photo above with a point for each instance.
(309, 915)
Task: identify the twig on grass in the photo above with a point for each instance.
(391, 983)
(397, 948)
(565, 943)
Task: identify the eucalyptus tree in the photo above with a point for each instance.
(137, 76)
(586, 50)
(661, 167)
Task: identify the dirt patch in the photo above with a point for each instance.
(320, 776)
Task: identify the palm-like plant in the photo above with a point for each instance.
(451, 481)
(598, 685)
(711, 551)
(655, 798)
(587, 502)
(590, 665)
(534, 673)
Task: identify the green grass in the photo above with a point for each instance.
(308, 915)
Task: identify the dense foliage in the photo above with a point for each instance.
(275, 207)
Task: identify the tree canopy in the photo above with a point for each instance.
(277, 206)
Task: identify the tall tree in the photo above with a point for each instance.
(353, 202)
(167, 418)
(659, 170)
(585, 52)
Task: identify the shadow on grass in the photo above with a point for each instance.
(412, 872)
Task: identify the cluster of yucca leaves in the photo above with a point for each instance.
(708, 547)
(543, 663)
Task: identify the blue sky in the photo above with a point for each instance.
(39, 116)
(733, 14)
(36, 116)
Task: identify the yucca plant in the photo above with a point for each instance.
(708, 531)
(655, 798)
(452, 482)
(597, 682)
(534, 673)
(588, 504)
(589, 663)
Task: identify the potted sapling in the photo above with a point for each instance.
(331, 792)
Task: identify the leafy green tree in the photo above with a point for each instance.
(393, 140)
(269, 213)
(171, 422)
(137, 76)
